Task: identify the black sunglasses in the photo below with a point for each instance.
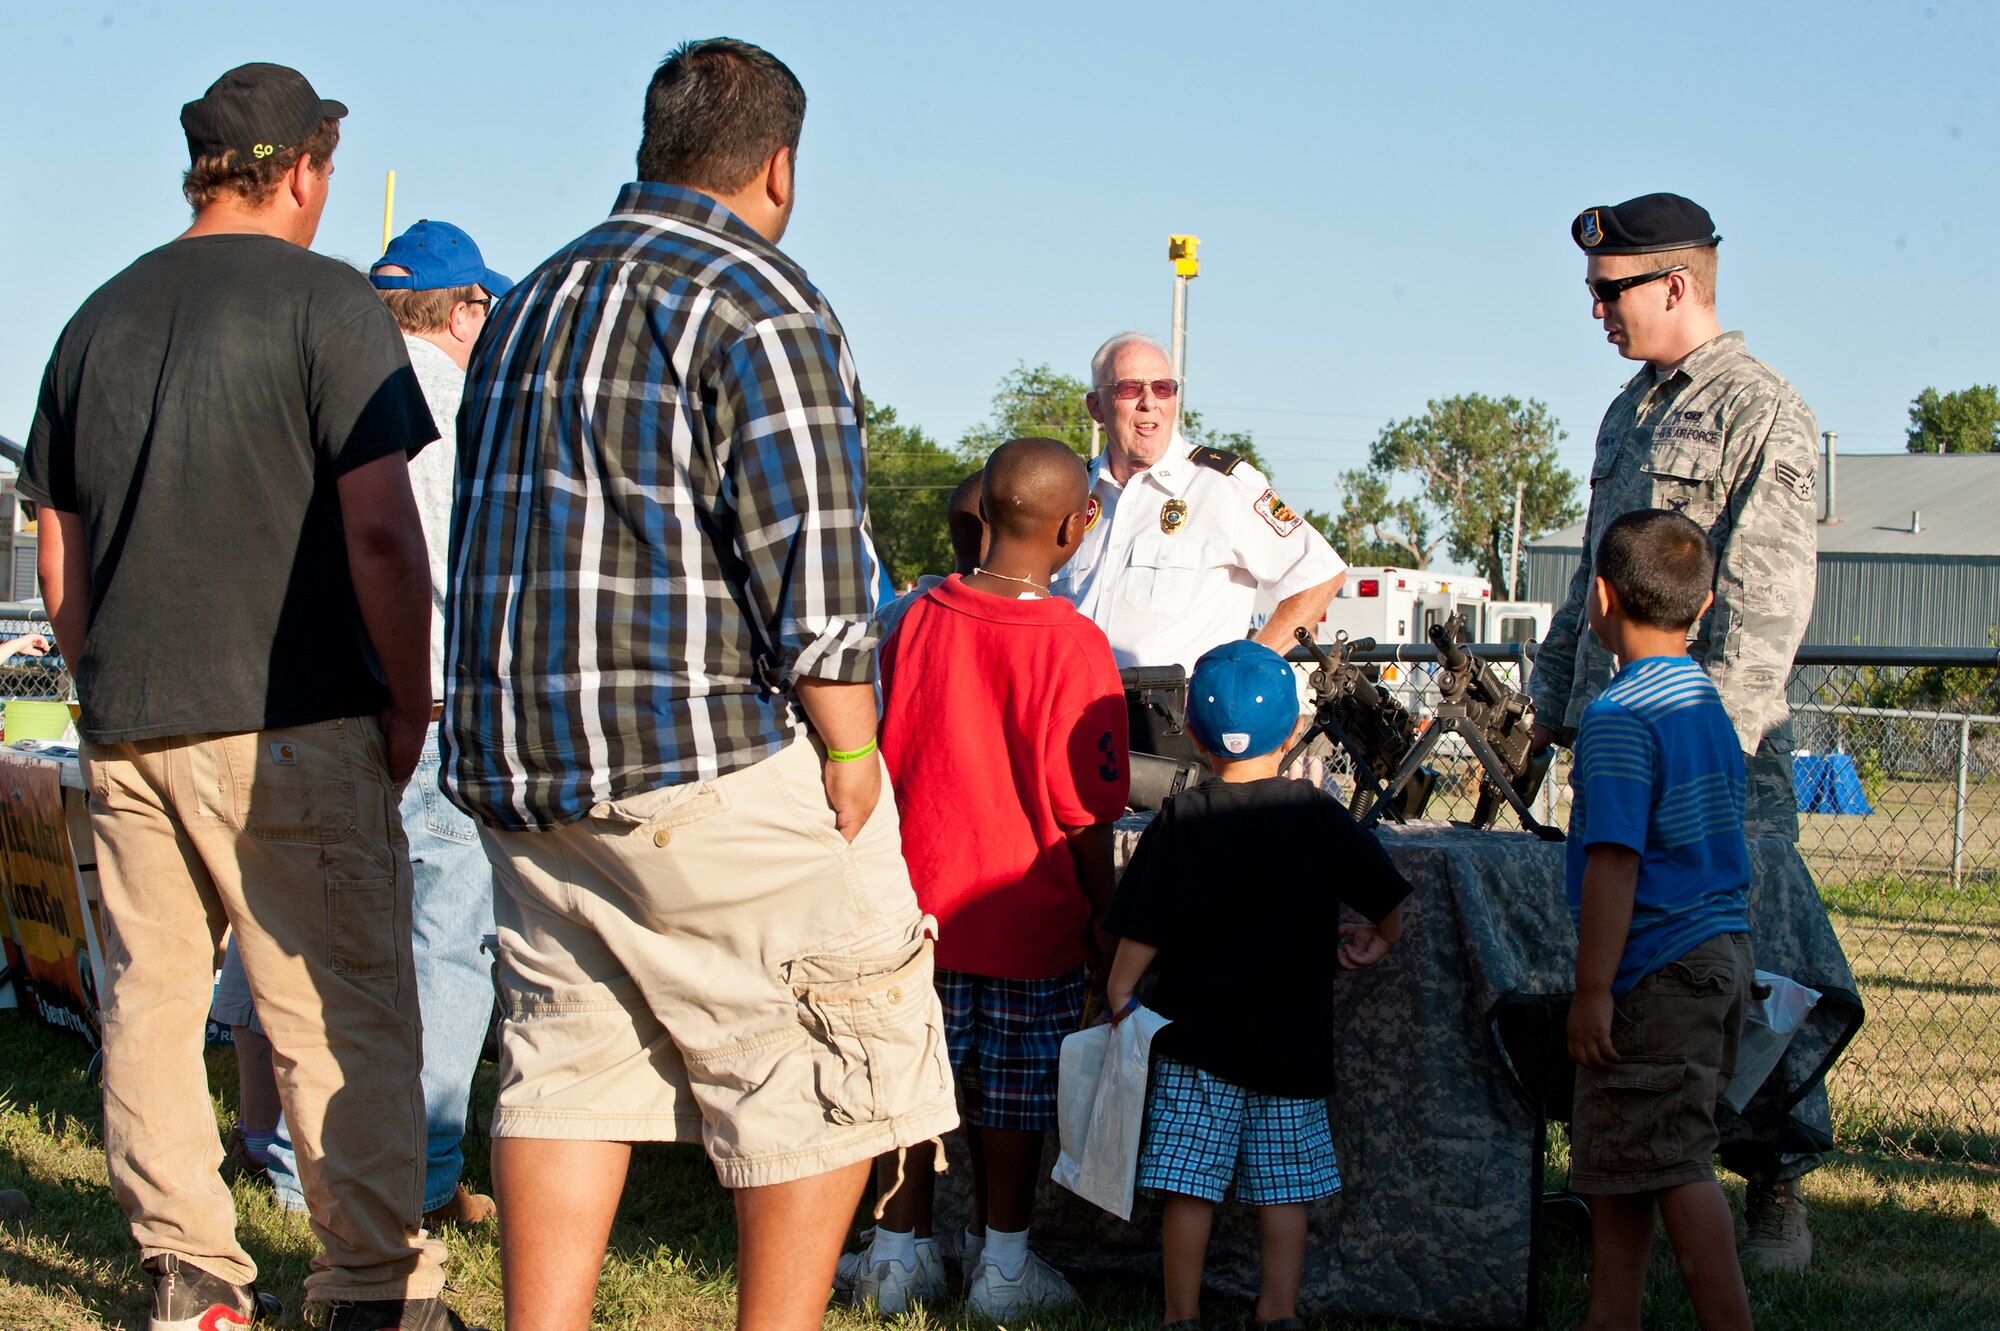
(1607, 290)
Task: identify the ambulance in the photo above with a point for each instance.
(1399, 605)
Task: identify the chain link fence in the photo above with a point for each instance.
(1898, 776)
(22, 674)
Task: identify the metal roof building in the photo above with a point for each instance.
(1911, 557)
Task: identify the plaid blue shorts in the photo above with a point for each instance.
(1203, 1133)
(1005, 1039)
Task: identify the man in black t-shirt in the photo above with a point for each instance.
(233, 564)
(1236, 888)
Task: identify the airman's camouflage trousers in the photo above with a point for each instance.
(1772, 809)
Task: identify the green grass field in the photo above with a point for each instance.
(1905, 1217)
(1902, 1243)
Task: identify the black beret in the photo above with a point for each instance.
(1645, 225)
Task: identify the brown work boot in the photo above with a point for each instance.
(1776, 1218)
(238, 1162)
(462, 1208)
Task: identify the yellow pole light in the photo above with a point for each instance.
(1181, 250)
(388, 209)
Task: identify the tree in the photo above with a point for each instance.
(1447, 479)
(1032, 402)
(910, 480)
(1967, 421)
(1375, 528)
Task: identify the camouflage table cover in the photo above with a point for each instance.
(1438, 1127)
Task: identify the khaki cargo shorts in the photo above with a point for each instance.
(1647, 1122)
(713, 962)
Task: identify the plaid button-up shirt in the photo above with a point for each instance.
(658, 525)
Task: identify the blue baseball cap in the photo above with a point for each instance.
(438, 255)
(1242, 701)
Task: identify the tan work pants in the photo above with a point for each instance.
(291, 837)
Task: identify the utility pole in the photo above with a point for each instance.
(1514, 550)
(1181, 249)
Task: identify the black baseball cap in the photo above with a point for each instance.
(256, 111)
(1649, 224)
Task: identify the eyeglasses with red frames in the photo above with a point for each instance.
(1607, 290)
(1128, 390)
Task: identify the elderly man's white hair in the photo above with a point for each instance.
(1100, 364)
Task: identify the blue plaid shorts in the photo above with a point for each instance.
(1005, 1039)
(1203, 1133)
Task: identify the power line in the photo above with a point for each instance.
(1297, 411)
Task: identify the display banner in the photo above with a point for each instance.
(44, 913)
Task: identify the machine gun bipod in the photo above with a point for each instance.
(1495, 722)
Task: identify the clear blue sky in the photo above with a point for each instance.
(1383, 192)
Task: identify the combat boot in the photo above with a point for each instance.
(1776, 1219)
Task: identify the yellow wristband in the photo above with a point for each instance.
(851, 755)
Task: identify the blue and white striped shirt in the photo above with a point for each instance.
(659, 523)
(1658, 769)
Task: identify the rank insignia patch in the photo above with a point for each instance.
(1798, 482)
(1593, 231)
(1173, 515)
(1278, 513)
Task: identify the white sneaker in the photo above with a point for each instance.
(969, 1248)
(890, 1287)
(992, 1295)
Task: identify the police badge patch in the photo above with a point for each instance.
(1091, 512)
(1173, 515)
(1798, 482)
(1593, 231)
(1278, 513)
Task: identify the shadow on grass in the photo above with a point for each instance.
(75, 1212)
(1897, 1244)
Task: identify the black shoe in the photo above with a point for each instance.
(393, 1315)
(187, 1298)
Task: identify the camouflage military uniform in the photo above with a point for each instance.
(1725, 440)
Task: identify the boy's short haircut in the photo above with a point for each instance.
(1660, 564)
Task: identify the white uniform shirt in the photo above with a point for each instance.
(1172, 562)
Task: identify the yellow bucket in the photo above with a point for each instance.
(35, 718)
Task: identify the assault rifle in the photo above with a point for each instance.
(1495, 722)
(1352, 709)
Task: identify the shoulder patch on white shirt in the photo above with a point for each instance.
(1278, 513)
